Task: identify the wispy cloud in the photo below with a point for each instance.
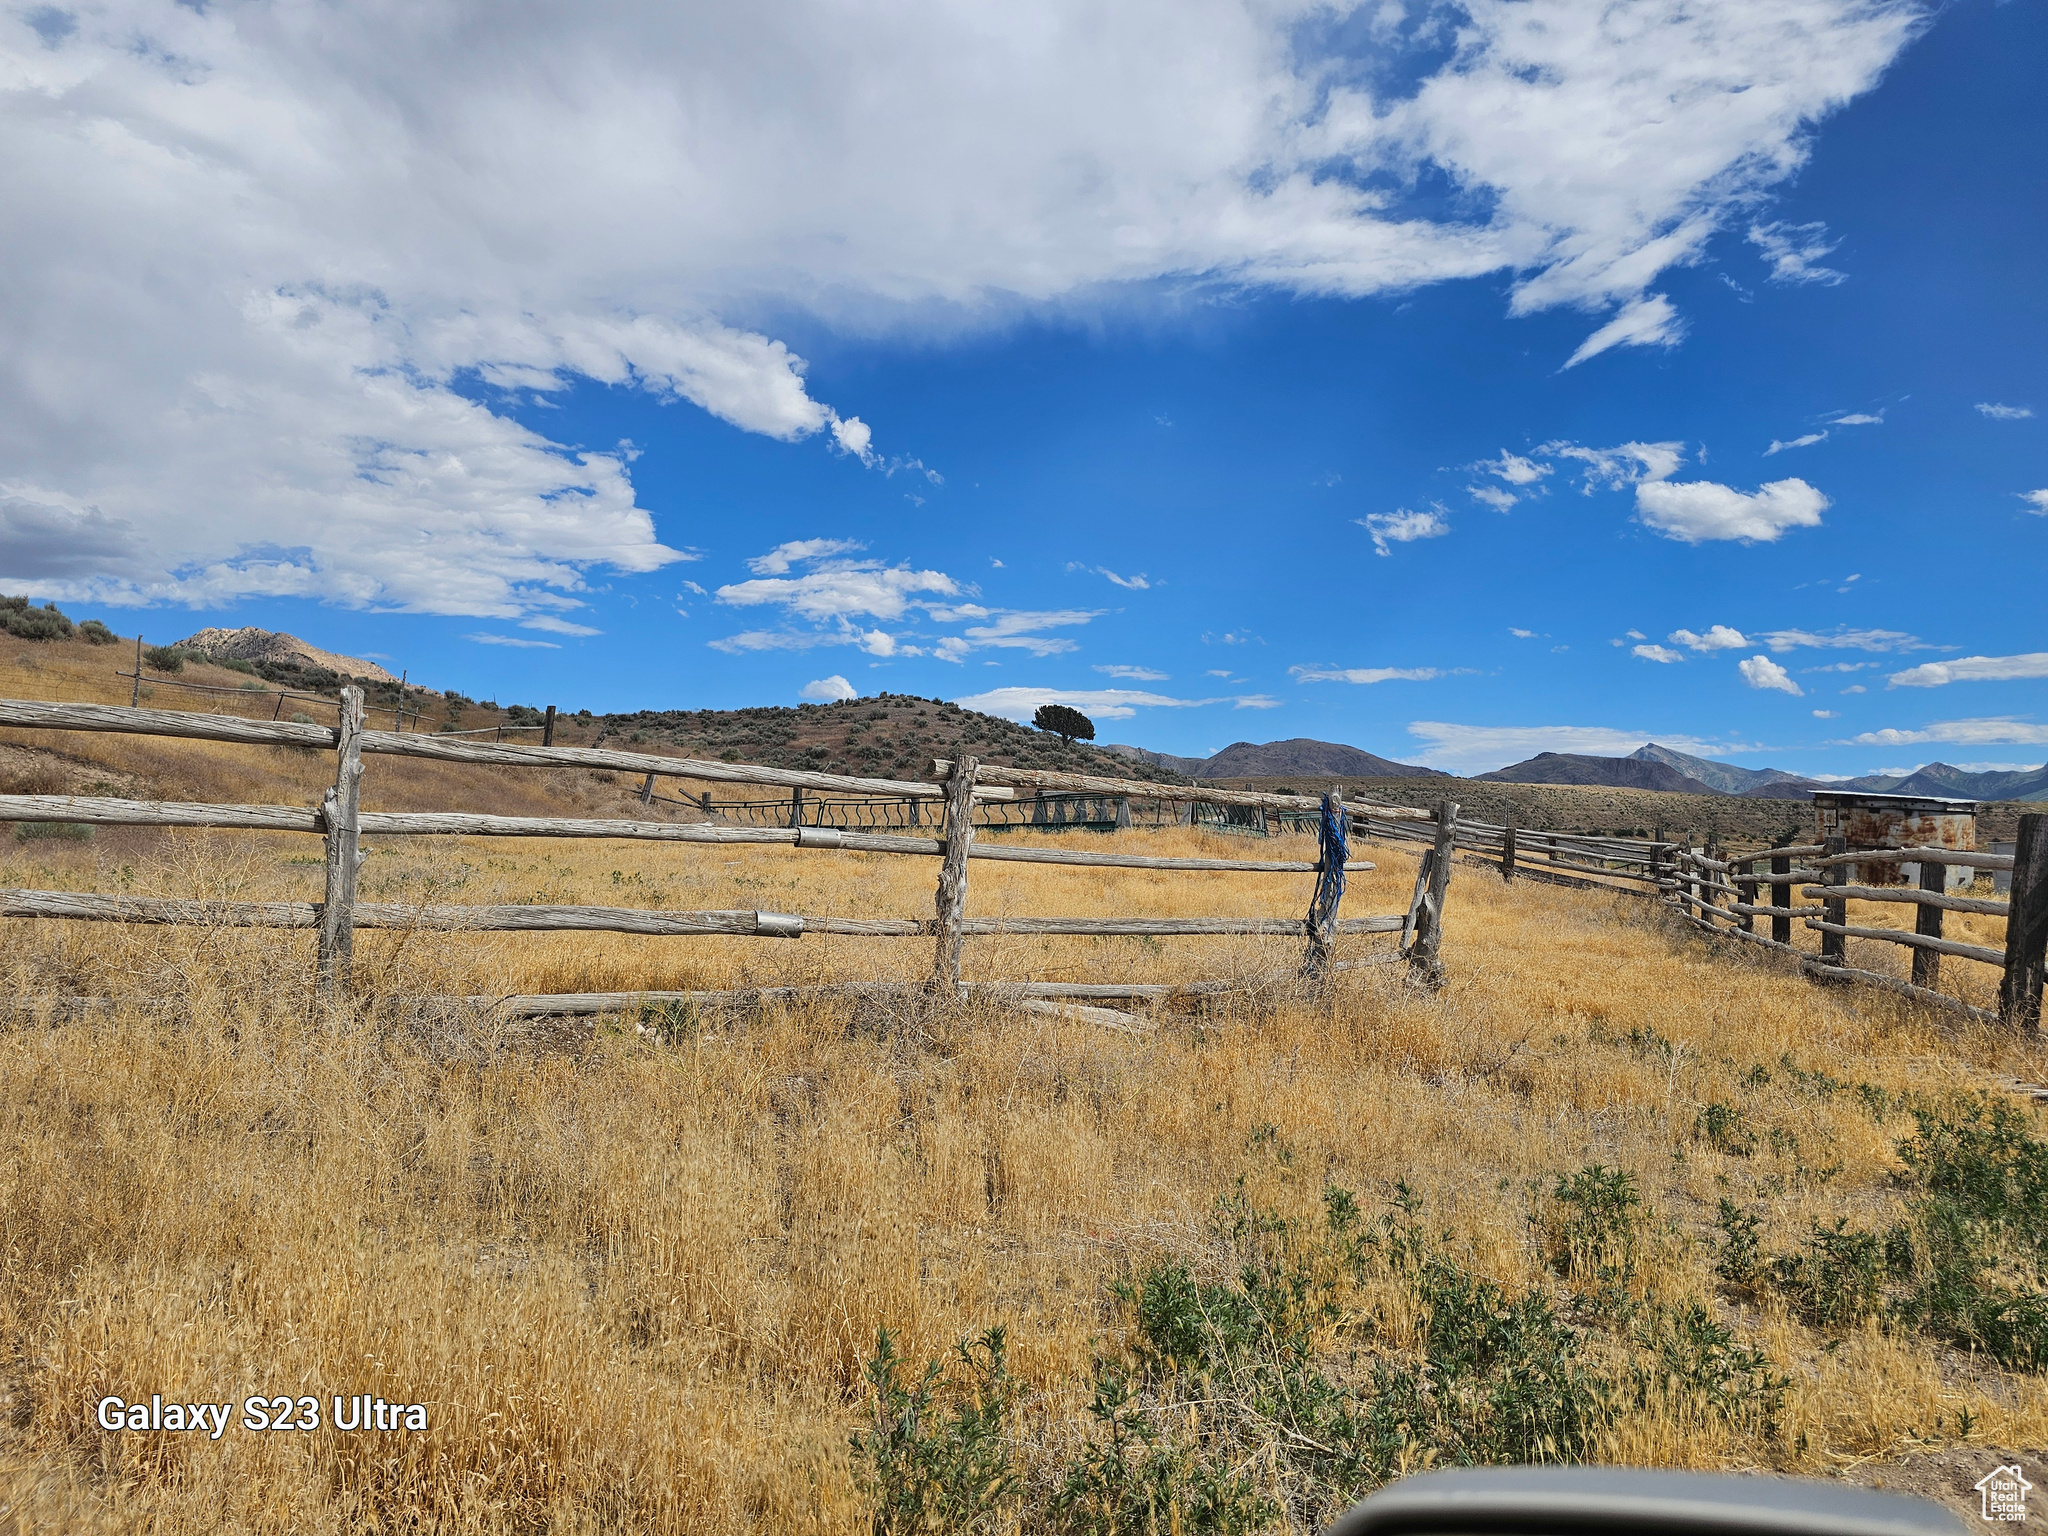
(1137, 583)
(1650, 321)
(1492, 496)
(2005, 412)
(1794, 252)
(1625, 464)
(554, 626)
(779, 559)
(1404, 527)
(1798, 442)
(2002, 730)
(1843, 640)
(1365, 675)
(524, 645)
(1134, 674)
(1659, 653)
(1972, 669)
(2038, 501)
(1480, 748)
(1513, 468)
(1857, 419)
(1762, 672)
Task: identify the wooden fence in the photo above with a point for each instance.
(1721, 895)
(953, 794)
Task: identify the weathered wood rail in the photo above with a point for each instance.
(341, 823)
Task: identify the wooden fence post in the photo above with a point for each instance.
(1507, 852)
(135, 694)
(1425, 957)
(796, 806)
(339, 809)
(1927, 920)
(547, 729)
(952, 895)
(2026, 928)
(1781, 896)
(1331, 831)
(1834, 947)
(647, 791)
(1745, 892)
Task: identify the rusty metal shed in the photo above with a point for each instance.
(1897, 821)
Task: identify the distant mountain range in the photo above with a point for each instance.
(1299, 757)
(1648, 767)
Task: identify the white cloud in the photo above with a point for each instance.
(1647, 322)
(2039, 500)
(556, 626)
(1794, 252)
(828, 690)
(1857, 419)
(1018, 629)
(1363, 674)
(1855, 688)
(1719, 637)
(1843, 640)
(1470, 749)
(512, 640)
(2005, 412)
(1137, 583)
(1403, 527)
(1020, 703)
(1823, 714)
(1513, 468)
(1972, 669)
(840, 591)
(1798, 442)
(260, 259)
(1662, 653)
(1492, 496)
(1142, 674)
(779, 559)
(1762, 672)
(1629, 464)
(1523, 634)
(1637, 634)
(2002, 730)
(1695, 511)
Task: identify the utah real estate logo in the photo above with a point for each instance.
(2005, 1494)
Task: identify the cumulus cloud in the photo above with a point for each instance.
(1365, 675)
(1794, 252)
(1719, 637)
(1142, 674)
(840, 591)
(1762, 672)
(1972, 669)
(2004, 730)
(277, 277)
(1469, 749)
(1695, 511)
(1403, 527)
(2005, 412)
(1798, 442)
(828, 690)
(1661, 653)
(1513, 468)
(1493, 496)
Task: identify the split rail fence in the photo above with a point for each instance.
(1813, 882)
(955, 792)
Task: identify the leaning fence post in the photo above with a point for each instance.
(1322, 907)
(1927, 962)
(2026, 927)
(547, 728)
(952, 895)
(1425, 962)
(1781, 896)
(339, 810)
(1507, 853)
(1834, 947)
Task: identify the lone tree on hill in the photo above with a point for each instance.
(1069, 725)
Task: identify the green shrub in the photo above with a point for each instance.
(95, 633)
(19, 619)
(1725, 1127)
(164, 658)
(934, 1457)
(64, 831)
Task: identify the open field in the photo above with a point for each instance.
(1614, 1194)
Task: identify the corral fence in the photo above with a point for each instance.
(1044, 811)
(956, 798)
(1725, 895)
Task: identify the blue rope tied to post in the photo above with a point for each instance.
(1333, 830)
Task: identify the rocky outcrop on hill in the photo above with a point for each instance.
(265, 647)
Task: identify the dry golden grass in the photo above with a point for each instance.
(637, 1281)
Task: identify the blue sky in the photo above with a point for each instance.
(1455, 381)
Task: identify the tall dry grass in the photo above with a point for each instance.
(636, 1281)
